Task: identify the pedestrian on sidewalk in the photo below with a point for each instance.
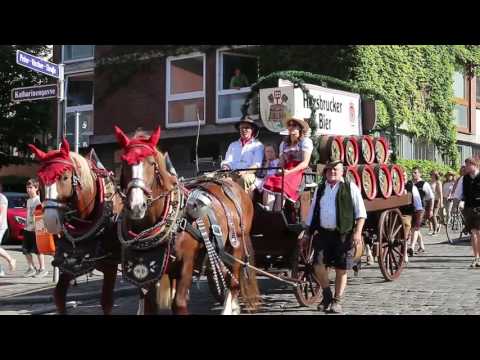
(29, 245)
(412, 214)
(436, 186)
(468, 190)
(427, 196)
(3, 229)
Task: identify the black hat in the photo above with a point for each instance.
(248, 120)
(332, 164)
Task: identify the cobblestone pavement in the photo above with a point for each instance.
(437, 282)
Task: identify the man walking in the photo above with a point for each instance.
(427, 196)
(335, 219)
(468, 190)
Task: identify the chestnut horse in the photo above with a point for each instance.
(147, 182)
(79, 206)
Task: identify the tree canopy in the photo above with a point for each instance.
(21, 122)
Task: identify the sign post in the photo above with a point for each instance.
(77, 132)
(54, 70)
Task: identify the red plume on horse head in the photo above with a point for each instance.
(123, 139)
(155, 137)
(40, 155)
(55, 162)
(136, 149)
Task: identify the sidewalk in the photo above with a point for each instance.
(15, 289)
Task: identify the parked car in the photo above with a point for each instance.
(16, 216)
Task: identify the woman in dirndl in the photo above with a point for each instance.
(295, 152)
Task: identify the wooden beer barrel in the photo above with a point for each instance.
(367, 150)
(351, 174)
(381, 150)
(369, 181)
(384, 181)
(398, 181)
(351, 149)
(330, 148)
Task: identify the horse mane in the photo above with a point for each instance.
(169, 180)
(86, 177)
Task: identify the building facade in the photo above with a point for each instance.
(146, 87)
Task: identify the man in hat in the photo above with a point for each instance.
(245, 153)
(335, 219)
(468, 190)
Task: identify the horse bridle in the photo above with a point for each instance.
(55, 203)
(138, 183)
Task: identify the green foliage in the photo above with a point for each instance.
(426, 167)
(19, 123)
(418, 81)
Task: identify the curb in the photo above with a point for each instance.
(42, 299)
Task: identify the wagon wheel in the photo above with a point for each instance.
(309, 293)
(392, 244)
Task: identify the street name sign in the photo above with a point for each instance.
(35, 92)
(38, 64)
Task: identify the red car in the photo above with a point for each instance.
(16, 216)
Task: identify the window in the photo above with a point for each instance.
(79, 99)
(185, 90)
(460, 94)
(236, 72)
(77, 52)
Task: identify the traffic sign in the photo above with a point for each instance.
(38, 64)
(35, 92)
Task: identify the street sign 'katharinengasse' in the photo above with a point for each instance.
(35, 92)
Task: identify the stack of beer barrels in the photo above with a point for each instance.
(365, 159)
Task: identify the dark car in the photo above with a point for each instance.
(16, 216)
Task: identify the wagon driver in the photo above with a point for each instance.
(335, 219)
(245, 153)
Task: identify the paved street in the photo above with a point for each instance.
(438, 282)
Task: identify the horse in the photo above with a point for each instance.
(185, 215)
(79, 206)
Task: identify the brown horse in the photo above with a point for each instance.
(148, 180)
(79, 206)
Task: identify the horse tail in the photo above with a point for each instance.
(248, 280)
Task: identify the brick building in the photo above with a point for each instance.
(139, 86)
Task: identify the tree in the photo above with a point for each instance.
(21, 122)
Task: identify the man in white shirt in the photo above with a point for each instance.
(339, 231)
(468, 190)
(245, 153)
(428, 198)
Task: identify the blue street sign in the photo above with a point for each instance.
(38, 64)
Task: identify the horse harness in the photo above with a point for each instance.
(198, 209)
(77, 254)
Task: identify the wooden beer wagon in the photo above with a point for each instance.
(275, 235)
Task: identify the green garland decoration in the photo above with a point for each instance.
(299, 78)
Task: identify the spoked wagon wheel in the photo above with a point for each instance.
(307, 294)
(392, 244)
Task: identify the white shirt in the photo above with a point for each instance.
(32, 203)
(427, 189)
(417, 200)
(328, 214)
(447, 188)
(244, 157)
(3, 212)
